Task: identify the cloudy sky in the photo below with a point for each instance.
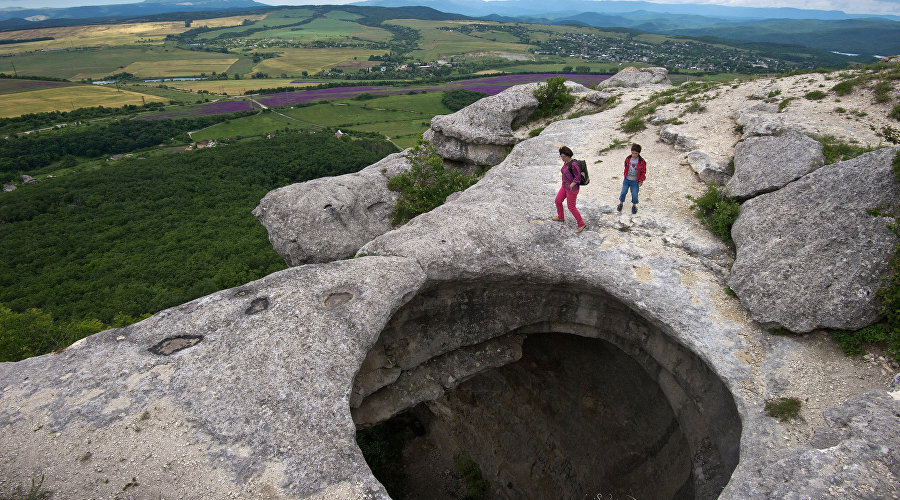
(851, 6)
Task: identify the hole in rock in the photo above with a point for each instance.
(338, 298)
(601, 403)
(172, 345)
(258, 305)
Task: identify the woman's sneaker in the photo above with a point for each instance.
(634, 209)
(619, 208)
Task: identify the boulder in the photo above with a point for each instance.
(810, 255)
(764, 164)
(9, 187)
(330, 218)
(709, 170)
(27, 179)
(634, 77)
(481, 133)
(856, 455)
(677, 136)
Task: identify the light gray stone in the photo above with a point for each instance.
(330, 218)
(764, 164)
(766, 92)
(809, 255)
(27, 179)
(709, 170)
(481, 133)
(677, 136)
(635, 77)
(856, 456)
(9, 187)
(595, 97)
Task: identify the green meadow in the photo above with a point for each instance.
(403, 118)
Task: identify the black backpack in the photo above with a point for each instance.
(582, 165)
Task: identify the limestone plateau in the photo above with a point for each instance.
(593, 365)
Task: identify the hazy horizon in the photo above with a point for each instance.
(877, 7)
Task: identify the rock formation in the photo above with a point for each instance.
(810, 255)
(631, 77)
(330, 218)
(764, 164)
(709, 170)
(599, 363)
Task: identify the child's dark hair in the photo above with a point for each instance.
(636, 147)
(566, 151)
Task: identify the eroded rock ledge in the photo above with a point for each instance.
(248, 392)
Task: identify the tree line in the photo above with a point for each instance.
(137, 236)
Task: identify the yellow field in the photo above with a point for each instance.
(69, 98)
(295, 61)
(236, 87)
(92, 36)
(224, 22)
(180, 67)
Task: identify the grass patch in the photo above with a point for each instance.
(784, 409)
(895, 113)
(470, 472)
(427, 184)
(815, 95)
(883, 91)
(844, 88)
(784, 103)
(836, 150)
(35, 492)
(633, 125)
(536, 132)
(717, 210)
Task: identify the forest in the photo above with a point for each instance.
(28, 153)
(87, 249)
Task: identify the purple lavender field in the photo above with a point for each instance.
(210, 108)
(14, 85)
(489, 85)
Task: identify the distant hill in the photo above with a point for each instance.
(541, 8)
(824, 30)
(24, 16)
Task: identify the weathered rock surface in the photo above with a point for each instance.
(260, 406)
(678, 137)
(330, 218)
(481, 134)
(809, 255)
(766, 92)
(855, 456)
(27, 179)
(634, 77)
(708, 169)
(764, 164)
(9, 187)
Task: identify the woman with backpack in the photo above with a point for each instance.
(571, 180)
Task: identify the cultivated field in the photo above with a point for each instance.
(91, 36)
(323, 29)
(295, 61)
(236, 87)
(403, 118)
(13, 86)
(440, 44)
(273, 19)
(69, 98)
(224, 22)
(248, 126)
(97, 63)
(182, 67)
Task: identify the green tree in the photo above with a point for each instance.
(553, 97)
(426, 184)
